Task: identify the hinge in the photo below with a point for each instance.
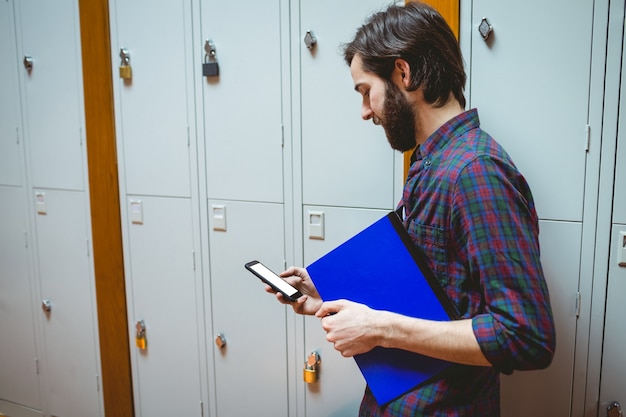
(97, 382)
(188, 137)
(88, 249)
(17, 135)
(193, 255)
(578, 303)
(26, 239)
(587, 137)
(201, 409)
(37, 365)
(282, 136)
(80, 136)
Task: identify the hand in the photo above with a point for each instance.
(352, 327)
(310, 301)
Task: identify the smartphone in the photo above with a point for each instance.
(270, 278)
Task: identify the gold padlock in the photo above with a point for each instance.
(126, 72)
(140, 342)
(310, 373)
(140, 334)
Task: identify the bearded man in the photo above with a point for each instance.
(465, 205)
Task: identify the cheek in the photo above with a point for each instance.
(377, 103)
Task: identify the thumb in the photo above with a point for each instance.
(329, 308)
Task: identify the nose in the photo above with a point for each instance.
(366, 111)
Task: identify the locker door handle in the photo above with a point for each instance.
(28, 63)
(309, 39)
(220, 340)
(46, 306)
(485, 28)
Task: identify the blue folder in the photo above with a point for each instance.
(382, 268)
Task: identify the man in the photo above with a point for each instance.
(468, 208)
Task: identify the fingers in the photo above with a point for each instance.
(295, 271)
(330, 307)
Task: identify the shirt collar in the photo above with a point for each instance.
(453, 128)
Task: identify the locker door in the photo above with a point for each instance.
(345, 161)
(10, 140)
(70, 329)
(341, 386)
(163, 283)
(613, 372)
(19, 382)
(250, 373)
(52, 92)
(535, 102)
(154, 107)
(242, 107)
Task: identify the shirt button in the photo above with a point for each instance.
(427, 162)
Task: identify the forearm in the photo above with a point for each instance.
(453, 341)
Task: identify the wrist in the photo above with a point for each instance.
(385, 329)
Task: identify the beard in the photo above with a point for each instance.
(398, 119)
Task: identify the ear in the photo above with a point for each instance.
(402, 69)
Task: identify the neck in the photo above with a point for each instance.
(431, 118)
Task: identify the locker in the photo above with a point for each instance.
(156, 141)
(71, 359)
(533, 100)
(242, 108)
(52, 92)
(10, 141)
(18, 380)
(613, 368)
(536, 103)
(341, 385)
(155, 106)
(345, 161)
(250, 370)
(41, 146)
(613, 372)
(163, 283)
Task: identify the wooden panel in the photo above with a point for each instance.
(105, 210)
(450, 10)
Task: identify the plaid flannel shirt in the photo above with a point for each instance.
(471, 211)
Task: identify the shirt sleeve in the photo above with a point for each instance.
(496, 226)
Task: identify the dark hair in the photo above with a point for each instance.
(418, 34)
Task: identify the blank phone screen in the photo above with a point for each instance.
(277, 281)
